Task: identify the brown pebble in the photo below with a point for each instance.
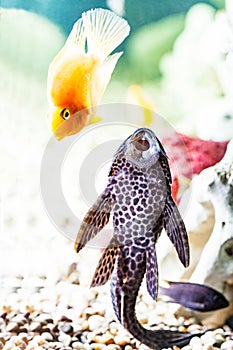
(23, 329)
(30, 309)
(65, 319)
(208, 347)
(12, 327)
(27, 315)
(45, 328)
(36, 327)
(144, 320)
(4, 315)
(6, 309)
(43, 318)
(85, 325)
(2, 340)
(20, 319)
(77, 335)
(104, 339)
(182, 329)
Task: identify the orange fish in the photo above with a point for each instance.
(80, 72)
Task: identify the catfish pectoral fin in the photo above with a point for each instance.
(176, 230)
(151, 272)
(105, 266)
(96, 218)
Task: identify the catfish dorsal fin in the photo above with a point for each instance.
(104, 31)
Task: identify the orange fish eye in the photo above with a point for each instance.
(65, 113)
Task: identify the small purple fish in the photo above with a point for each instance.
(138, 194)
(194, 296)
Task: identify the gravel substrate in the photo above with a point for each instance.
(39, 314)
(38, 308)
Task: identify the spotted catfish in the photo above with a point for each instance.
(138, 194)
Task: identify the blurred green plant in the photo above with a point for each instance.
(219, 4)
(63, 13)
(145, 48)
(28, 42)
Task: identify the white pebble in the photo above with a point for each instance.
(218, 331)
(227, 345)
(65, 339)
(47, 336)
(97, 346)
(143, 347)
(128, 347)
(195, 341)
(121, 339)
(80, 346)
(111, 347)
(208, 338)
(37, 340)
(23, 335)
(77, 345)
(106, 338)
(195, 328)
(96, 321)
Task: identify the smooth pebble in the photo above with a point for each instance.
(227, 345)
(121, 340)
(96, 321)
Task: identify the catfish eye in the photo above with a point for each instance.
(65, 113)
(142, 145)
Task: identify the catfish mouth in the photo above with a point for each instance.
(141, 144)
(142, 149)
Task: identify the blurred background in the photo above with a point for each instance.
(177, 61)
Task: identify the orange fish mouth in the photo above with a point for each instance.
(71, 126)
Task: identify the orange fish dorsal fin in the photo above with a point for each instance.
(100, 30)
(77, 35)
